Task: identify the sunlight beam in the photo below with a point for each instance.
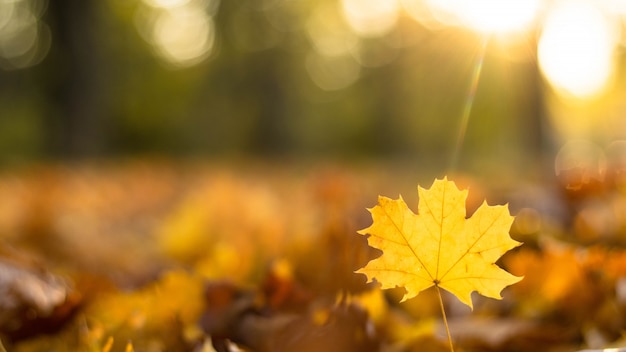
(469, 103)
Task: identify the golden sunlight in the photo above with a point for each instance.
(487, 16)
(576, 49)
(371, 18)
(497, 16)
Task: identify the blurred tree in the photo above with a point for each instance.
(77, 119)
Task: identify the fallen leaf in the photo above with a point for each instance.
(503, 334)
(234, 315)
(439, 246)
(33, 301)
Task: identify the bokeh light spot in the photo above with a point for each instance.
(579, 163)
(527, 221)
(182, 32)
(371, 18)
(20, 37)
(616, 165)
(328, 32)
(374, 53)
(184, 37)
(332, 73)
(419, 11)
(6, 12)
(24, 38)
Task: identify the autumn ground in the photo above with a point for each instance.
(157, 256)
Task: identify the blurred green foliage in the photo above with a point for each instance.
(103, 90)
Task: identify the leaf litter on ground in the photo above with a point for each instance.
(137, 249)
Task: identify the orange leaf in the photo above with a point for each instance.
(439, 246)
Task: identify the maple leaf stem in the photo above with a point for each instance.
(445, 320)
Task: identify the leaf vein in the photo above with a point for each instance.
(407, 242)
(480, 236)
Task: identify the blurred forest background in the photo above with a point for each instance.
(287, 78)
(425, 80)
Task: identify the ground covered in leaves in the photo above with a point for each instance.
(154, 256)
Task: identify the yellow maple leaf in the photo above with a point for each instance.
(439, 246)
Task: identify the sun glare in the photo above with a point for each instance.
(499, 17)
(576, 49)
(486, 16)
